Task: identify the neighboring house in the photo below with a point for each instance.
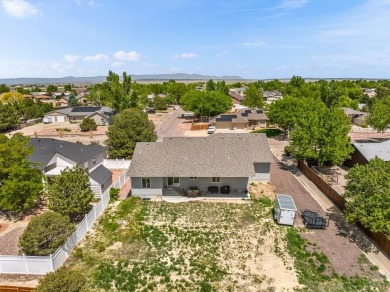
(236, 98)
(371, 92)
(62, 102)
(101, 115)
(364, 152)
(53, 156)
(217, 162)
(271, 96)
(241, 120)
(356, 117)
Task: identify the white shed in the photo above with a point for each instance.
(285, 209)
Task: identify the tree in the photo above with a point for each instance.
(4, 88)
(134, 98)
(129, 127)
(45, 234)
(379, 116)
(21, 181)
(322, 137)
(206, 103)
(160, 103)
(11, 97)
(88, 124)
(367, 194)
(286, 112)
(70, 193)
(254, 97)
(72, 100)
(119, 98)
(222, 87)
(67, 87)
(62, 280)
(51, 88)
(9, 117)
(210, 85)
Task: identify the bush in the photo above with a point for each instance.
(114, 194)
(87, 125)
(45, 233)
(63, 130)
(63, 280)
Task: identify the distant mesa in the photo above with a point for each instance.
(99, 79)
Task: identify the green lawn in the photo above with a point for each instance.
(269, 132)
(201, 246)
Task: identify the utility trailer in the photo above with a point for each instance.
(284, 209)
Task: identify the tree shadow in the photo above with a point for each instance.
(18, 216)
(351, 231)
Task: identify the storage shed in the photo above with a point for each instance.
(285, 210)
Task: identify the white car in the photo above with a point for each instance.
(211, 130)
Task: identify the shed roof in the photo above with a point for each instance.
(218, 155)
(286, 202)
(100, 174)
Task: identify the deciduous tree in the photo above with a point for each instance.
(9, 117)
(20, 180)
(70, 193)
(4, 88)
(367, 193)
(129, 127)
(45, 233)
(254, 97)
(379, 116)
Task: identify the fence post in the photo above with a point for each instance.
(86, 221)
(25, 263)
(94, 209)
(52, 263)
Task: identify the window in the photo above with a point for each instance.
(173, 181)
(215, 179)
(146, 183)
(193, 177)
(94, 161)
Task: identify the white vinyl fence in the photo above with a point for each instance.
(117, 163)
(40, 265)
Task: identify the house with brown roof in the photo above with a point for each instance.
(357, 117)
(241, 120)
(218, 165)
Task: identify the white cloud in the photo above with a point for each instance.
(117, 64)
(222, 54)
(20, 8)
(127, 56)
(185, 56)
(292, 4)
(71, 58)
(96, 58)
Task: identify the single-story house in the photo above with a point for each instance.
(101, 115)
(236, 98)
(240, 120)
(272, 95)
(220, 163)
(357, 117)
(364, 152)
(53, 156)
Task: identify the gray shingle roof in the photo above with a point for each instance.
(370, 150)
(100, 174)
(223, 155)
(45, 148)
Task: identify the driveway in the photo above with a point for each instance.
(341, 242)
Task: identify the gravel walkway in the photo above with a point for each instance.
(9, 241)
(339, 241)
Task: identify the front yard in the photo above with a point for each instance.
(205, 246)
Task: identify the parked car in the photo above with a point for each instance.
(211, 130)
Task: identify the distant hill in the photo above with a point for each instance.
(99, 79)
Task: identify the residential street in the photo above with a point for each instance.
(169, 127)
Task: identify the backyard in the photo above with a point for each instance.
(144, 246)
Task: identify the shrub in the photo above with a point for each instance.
(114, 194)
(63, 280)
(45, 233)
(87, 125)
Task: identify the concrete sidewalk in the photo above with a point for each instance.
(377, 258)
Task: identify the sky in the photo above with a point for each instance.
(254, 39)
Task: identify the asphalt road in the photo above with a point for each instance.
(169, 127)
